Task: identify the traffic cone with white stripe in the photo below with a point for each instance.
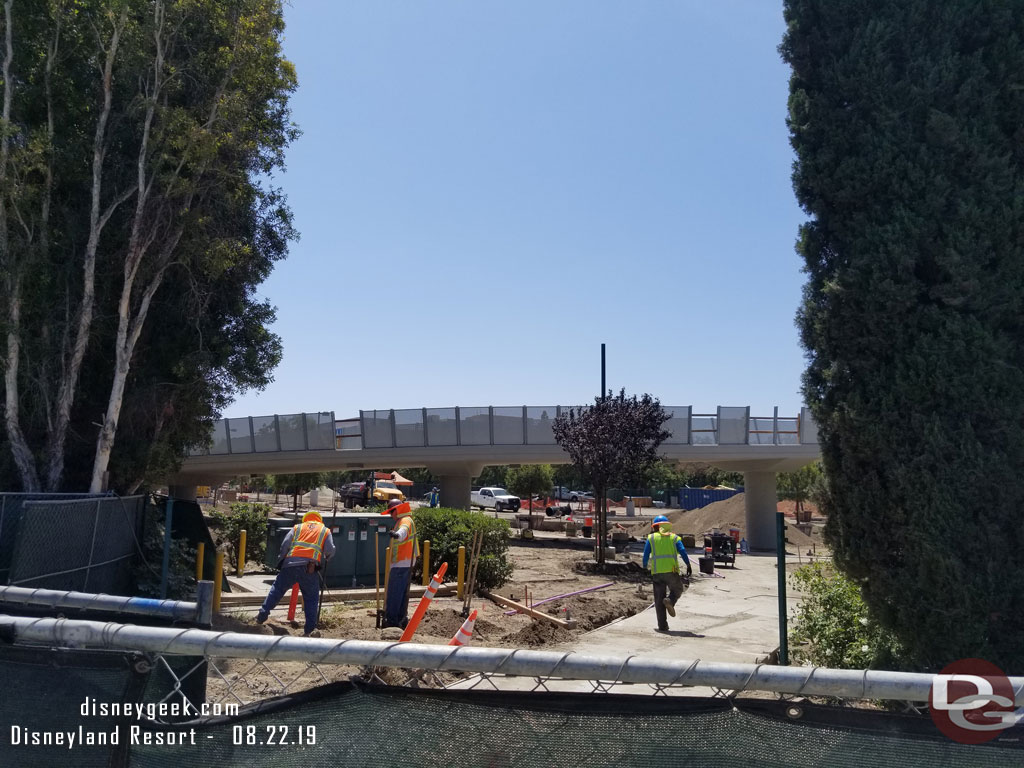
(465, 631)
(417, 616)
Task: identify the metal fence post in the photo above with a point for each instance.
(526, 432)
(92, 546)
(166, 568)
(394, 434)
(458, 427)
(780, 563)
(490, 425)
(204, 603)
(775, 426)
(426, 434)
(305, 431)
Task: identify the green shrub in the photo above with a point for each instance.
(252, 518)
(449, 529)
(832, 627)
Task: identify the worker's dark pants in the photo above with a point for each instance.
(665, 584)
(309, 585)
(396, 601)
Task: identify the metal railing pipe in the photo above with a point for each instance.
(808, 681)
(177, 610)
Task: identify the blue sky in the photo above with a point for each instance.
(487, 191)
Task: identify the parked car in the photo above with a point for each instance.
(581, 496)
(495, 498)
(560, 492)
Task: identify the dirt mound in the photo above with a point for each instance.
(593, 612)
(441, 623)
(538, 633)
(726, 514)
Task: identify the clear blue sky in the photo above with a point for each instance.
(487, 191)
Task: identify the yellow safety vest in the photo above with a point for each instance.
(663, 553)
(308, 541)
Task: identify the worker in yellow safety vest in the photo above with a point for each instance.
(305, 550)
(662, 547)
(404, 551)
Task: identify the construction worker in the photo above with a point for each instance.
(305, 550)
(404, 551)
(664, 546)
(434, 497)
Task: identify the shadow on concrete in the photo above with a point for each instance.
(679, 633)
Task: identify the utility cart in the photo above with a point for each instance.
(721, 548)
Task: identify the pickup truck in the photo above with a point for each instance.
(497, 499)
(367, 493)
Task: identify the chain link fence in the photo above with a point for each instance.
(352, 723)
(86, 544)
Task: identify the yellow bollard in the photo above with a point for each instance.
(200, 551)
(426, 562)
(218, 578)
(241, 553)
(462, 572)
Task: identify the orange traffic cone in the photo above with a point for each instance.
(465, 631)
(417, 616)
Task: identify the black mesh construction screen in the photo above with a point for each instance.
(87, 545)
(348, 725)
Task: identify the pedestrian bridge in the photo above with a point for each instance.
(456, 443)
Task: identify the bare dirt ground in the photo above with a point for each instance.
(542, 569)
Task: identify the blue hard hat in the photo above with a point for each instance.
(658, 520)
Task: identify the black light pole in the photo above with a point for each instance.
(603, 389)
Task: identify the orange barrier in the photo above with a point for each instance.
(293, 603)
(421, 609)
(465, 631)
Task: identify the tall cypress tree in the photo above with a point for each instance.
(908, 123)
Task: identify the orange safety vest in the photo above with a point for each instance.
(405, 550)
(308, 541)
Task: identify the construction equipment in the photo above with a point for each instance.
(721, 548)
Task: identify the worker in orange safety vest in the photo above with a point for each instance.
(305, 550)
(404, 551)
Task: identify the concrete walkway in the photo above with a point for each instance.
(730, 617)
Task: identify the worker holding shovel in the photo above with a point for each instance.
(304, 551)
(664, 545)
(404, 551)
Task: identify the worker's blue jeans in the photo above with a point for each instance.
(309, 585)
(396, 602)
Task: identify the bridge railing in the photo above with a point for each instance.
(532, 425)
(268, 434)
(484, 425)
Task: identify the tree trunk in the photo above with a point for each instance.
(23, 457)
(97, 220)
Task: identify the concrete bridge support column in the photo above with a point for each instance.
(183, 492)
(761, 501)
(454, 482)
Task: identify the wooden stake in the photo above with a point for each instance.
(504, 601)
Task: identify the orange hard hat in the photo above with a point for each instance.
(312, 517)
(396, 507)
